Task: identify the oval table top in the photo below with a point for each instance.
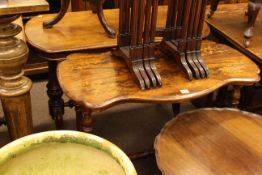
(211, 142)
(99, 81)
(79, 31)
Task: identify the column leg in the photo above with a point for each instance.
(14, 87)
(55, 93)
(213, 7)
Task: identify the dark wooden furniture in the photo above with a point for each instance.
(182, 36)
(14, 87)
(137, 30)
(251, 13)
(211, 141)
(84, 35)
(99, 81)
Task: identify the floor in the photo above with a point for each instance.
(132, 127)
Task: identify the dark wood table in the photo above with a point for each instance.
(99, 81)
(14, 87)
(211, 142)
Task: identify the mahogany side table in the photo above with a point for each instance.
(85, 34)
(99, 81)
(211, 142)
(14, 87)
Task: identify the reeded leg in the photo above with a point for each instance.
(55, 93)
(83, 119)
(213, 7)
(14, 87)
(253, 10)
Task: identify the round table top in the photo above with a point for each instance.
(80, 31)
(211, 142)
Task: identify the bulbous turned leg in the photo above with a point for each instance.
(14, 87)
(83, 119)
(50, 23)
(252, 13)
(213, 8)
(55, 93)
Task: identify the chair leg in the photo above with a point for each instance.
(83, 119)
(55, 93)
(252, 13)
(213, 7)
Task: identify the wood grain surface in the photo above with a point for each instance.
(211, 142)
(79, 31)
(98, 81)
(230, 21)
(9, 7)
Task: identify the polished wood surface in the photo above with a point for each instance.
(78, 31)
(8, 7)
(211, 142)
(229, 22)
(98, 81)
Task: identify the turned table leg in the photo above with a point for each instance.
(236, 95)
(252, 13)
(213, 7)
(14, 87)
(55, 93)
(83, 119)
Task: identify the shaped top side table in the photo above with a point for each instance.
(99, 81)
(228, 22)
(10, 7)
(14, 87)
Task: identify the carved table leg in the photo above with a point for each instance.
(236, 96)
(14, 87)
(83, 119)
(213, 7)
(55, 93)
(253, 9)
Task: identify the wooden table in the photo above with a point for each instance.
(228, 21)
(14, 87)
(85, 34)
(211, 142)
(99, 81)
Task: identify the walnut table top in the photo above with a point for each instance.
(98, 81)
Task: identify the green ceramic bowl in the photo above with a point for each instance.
(63, 153)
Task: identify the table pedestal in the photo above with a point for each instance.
(14, 87)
